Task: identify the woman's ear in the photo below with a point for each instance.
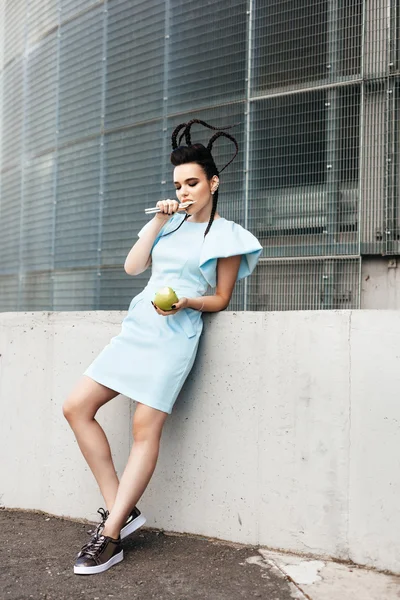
(214, 184)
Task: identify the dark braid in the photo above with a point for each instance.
(175, 135)
(213, 211)
(230, 137)
(186, 131)
(197, 153)
(181, 138)
(189, 125)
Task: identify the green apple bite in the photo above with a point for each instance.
(165, 298)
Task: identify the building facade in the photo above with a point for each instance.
(90, 91)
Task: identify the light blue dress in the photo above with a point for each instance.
(152, 356)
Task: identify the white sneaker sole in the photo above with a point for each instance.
(100, 568)
(132, 526)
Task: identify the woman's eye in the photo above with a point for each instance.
(190, 184)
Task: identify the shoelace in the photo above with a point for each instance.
(94, 546)
(104, 516)
(103, 513)
(96, 534)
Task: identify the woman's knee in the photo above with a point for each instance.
(85, 399)
(73, 408)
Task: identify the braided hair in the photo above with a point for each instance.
(199, 154)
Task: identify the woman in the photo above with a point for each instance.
(152, 355)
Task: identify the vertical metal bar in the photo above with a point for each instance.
(392, 228)
(388, 149)
(328, 278)
(102, 156)
(333, 40)
(390, 206)
(165, 140)
(332, 126)
(56, 157)
(332, 172)
(386, 174)
(360, 215)
(363, 37)
(249, 50)
(22, 156)
(392, 25)
(332, 116)
(360, 194)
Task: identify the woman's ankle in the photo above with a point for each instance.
(110, 531)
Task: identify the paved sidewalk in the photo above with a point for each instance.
(38, 551)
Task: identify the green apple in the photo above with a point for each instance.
(165, 298)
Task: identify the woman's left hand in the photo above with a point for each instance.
(182, 303)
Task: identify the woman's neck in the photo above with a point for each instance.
(202, 220)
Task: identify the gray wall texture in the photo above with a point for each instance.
(285, 434)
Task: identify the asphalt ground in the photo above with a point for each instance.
(38, 552)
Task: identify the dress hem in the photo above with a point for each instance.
(125, 393)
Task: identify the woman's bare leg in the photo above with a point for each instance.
(79, 410)
(147, 428)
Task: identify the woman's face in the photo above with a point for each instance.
(191, 183)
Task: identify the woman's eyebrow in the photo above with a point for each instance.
(190, 179)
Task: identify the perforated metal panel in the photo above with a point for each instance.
(14, 16)
(74, 289)
(206, 53)
(41, 97)
(43, 19)
(305, 284)
(12, 114)
(76, 223)
(81, 76)
(300, 43)
(304, 189)
(1, 114)
(91, 89)
(38, 214)
(9, 295)
(10, 221)
(36, 291)
(2, 33)
(135, 62)
(74, 8)
(116, 288)
(131, 182)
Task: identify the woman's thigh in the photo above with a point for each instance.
(86, 398)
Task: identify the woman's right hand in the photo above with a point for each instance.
(167, 208)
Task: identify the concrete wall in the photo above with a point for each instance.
(286, 433)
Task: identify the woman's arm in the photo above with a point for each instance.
(139, 257)
(227, 270)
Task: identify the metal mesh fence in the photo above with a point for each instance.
(90, 91)
(298, 284)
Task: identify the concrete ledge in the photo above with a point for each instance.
(285, 435)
